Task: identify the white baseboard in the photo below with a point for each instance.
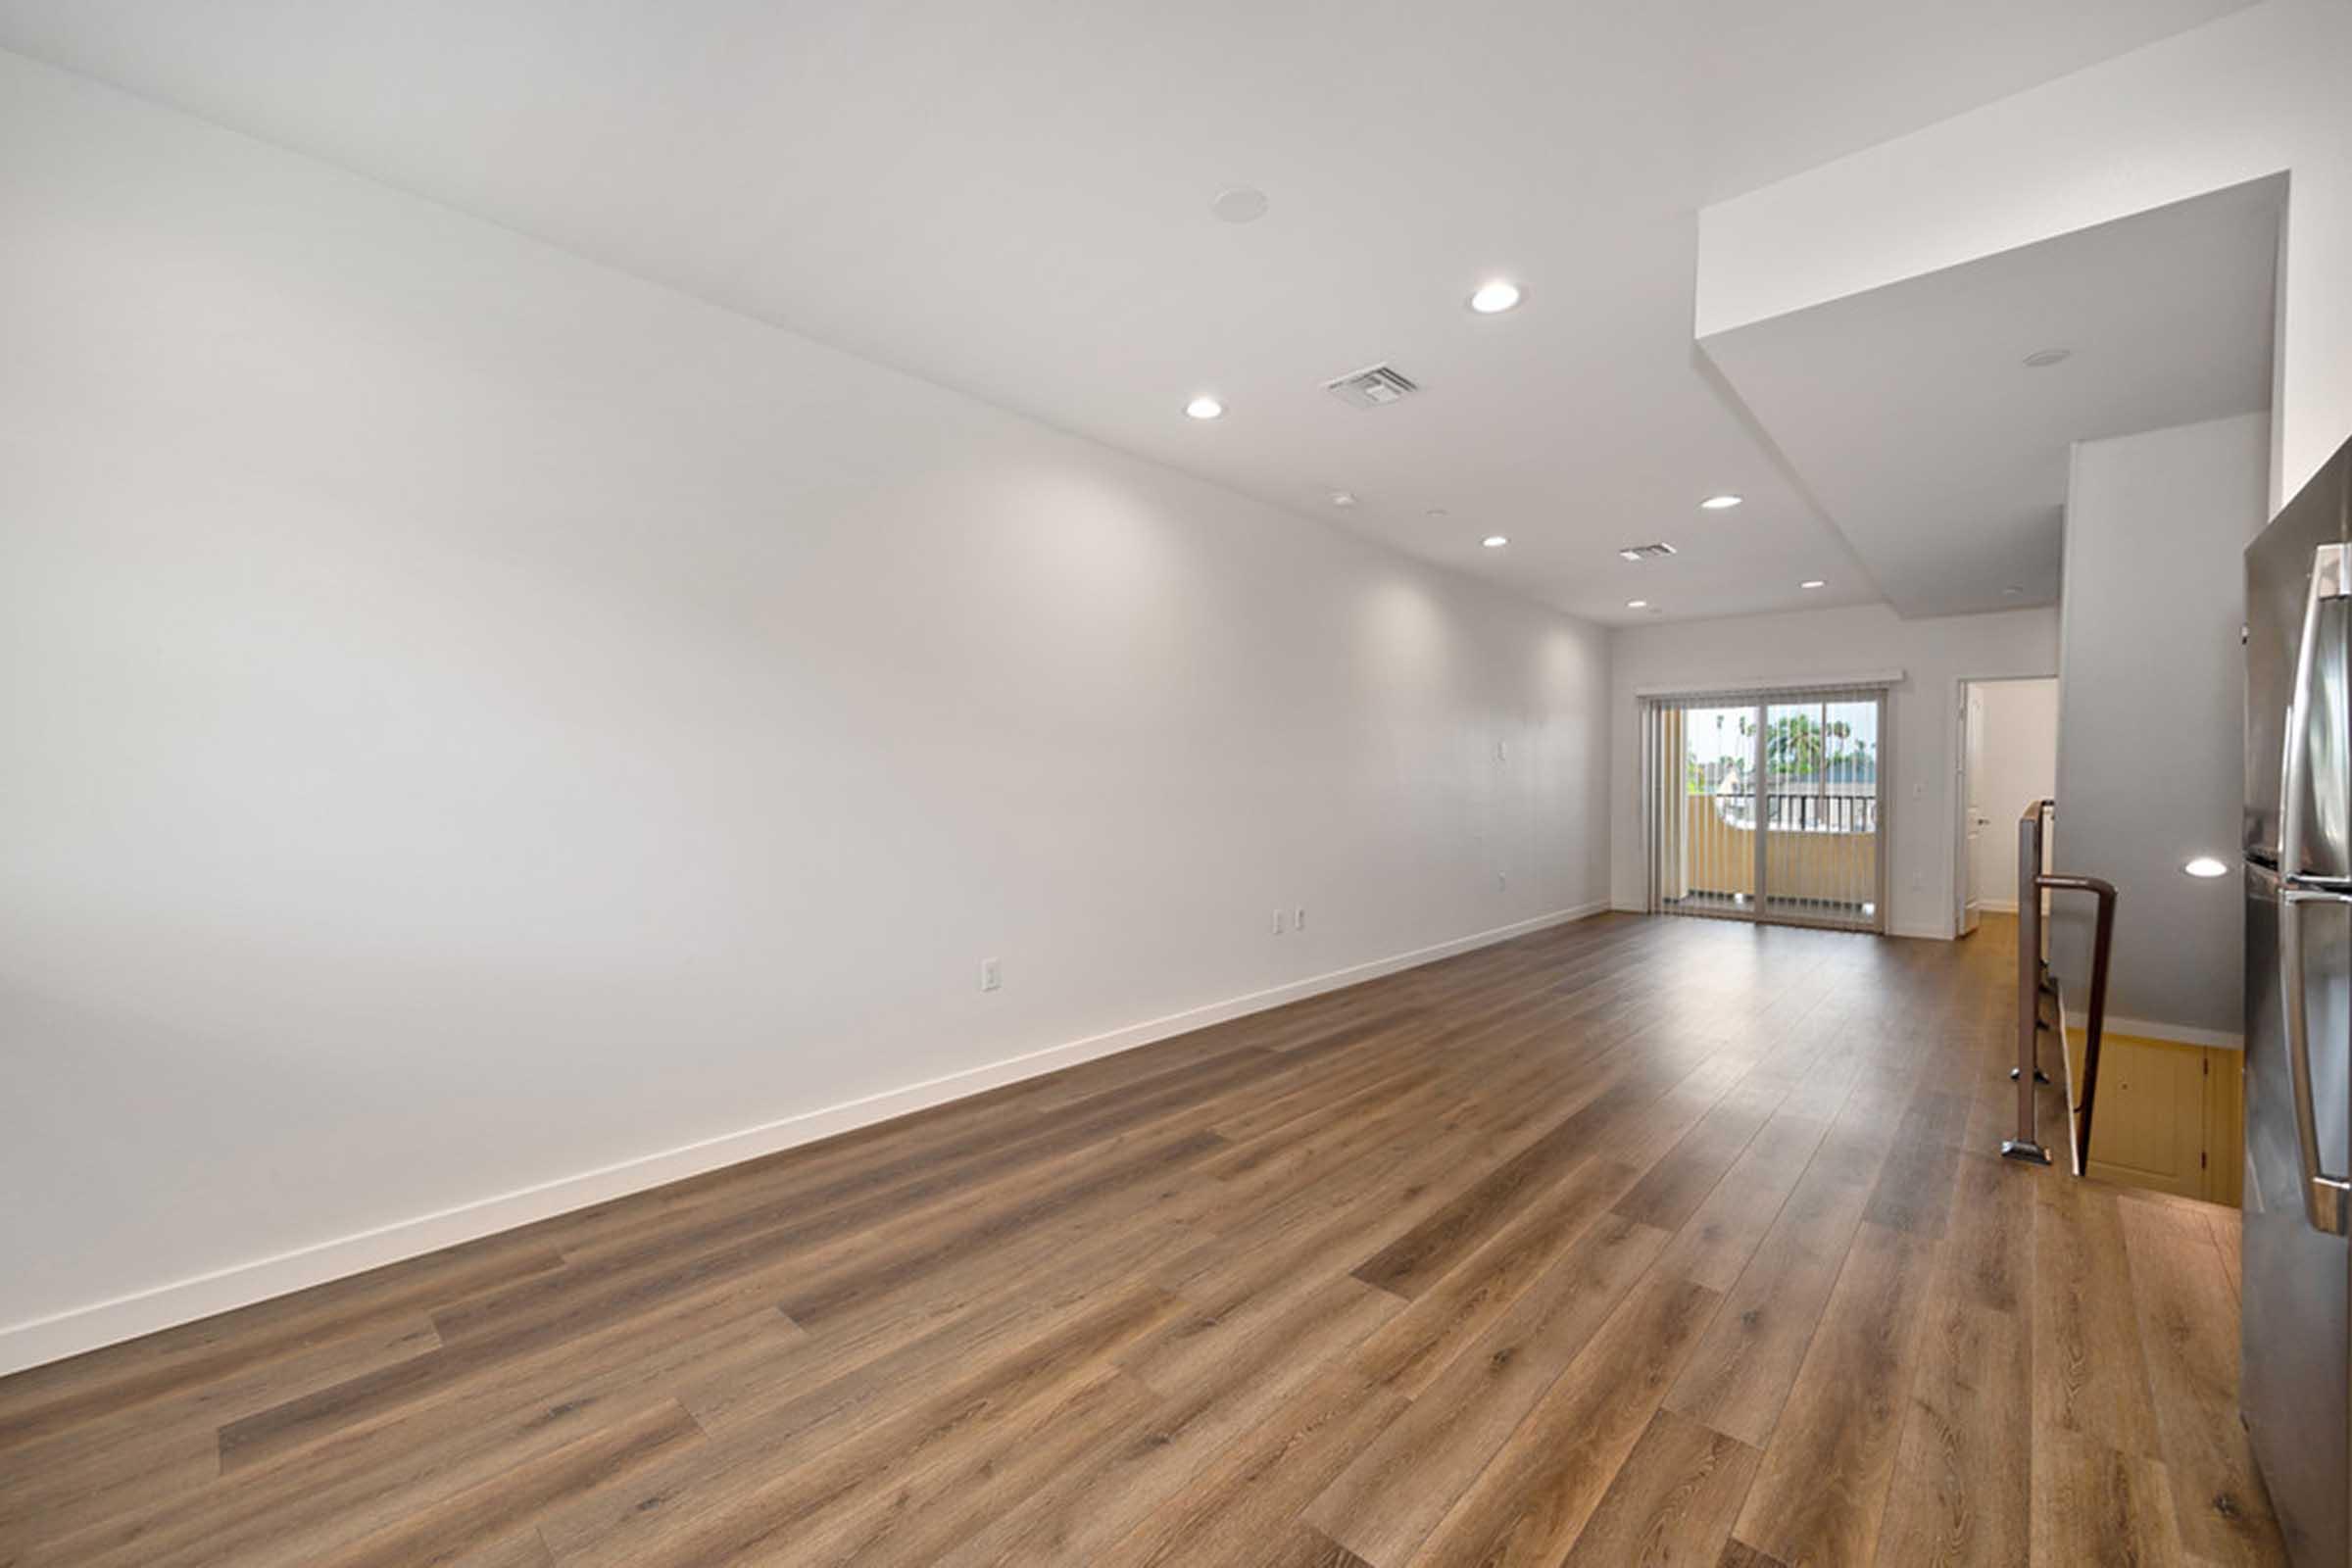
(1997, 906)
(69, 1333)
(2179, 1033)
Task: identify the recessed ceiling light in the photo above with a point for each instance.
(1494, 541)
(1437, 511)
(2043, 359)
(1636, 604)
(1239, 204)
(1721, 503)
(1204, 407)
(2013, 590)
(2206, 866)
(1342, 498)
(1495, 296)
(1814, 582)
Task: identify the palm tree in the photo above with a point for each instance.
(1797, 746)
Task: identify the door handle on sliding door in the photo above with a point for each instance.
(2322, 1194)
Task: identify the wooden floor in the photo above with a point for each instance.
(1633, 1241)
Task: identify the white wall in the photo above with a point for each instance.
(474, 721)
(2021, 767)
(2152, 699)
(2257, 92)
(1934, 656)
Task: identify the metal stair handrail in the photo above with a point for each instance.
(2034, 983)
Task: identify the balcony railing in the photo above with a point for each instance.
(1819, 853)
(1797, 813)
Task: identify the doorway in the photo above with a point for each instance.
(2008, 757)
(1767, 806)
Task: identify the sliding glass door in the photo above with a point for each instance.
(1703, 812)
(1766, 807)
(1821, 811)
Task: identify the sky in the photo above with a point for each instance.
(1713, 733)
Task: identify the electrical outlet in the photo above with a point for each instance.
(1282, 921)
(1502, 881)
(992, 974)
(1298, 918)
(1503, 751)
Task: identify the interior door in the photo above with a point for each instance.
(1972, 790)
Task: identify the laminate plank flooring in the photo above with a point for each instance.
(1632, 1241)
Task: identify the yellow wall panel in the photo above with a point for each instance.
(2170, 1116)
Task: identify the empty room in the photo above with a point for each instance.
(1300, 785)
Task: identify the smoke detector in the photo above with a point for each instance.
(1372, 387)
(1658, 552)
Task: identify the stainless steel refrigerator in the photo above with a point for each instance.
(2296, 1392)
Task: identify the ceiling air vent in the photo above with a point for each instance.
(1658, 552)
(1371, 388)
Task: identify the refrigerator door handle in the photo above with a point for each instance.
(2328, 572)
(2324, 1194)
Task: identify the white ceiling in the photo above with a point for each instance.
(1912, 419)
(1013, 198)
(1792, 84)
